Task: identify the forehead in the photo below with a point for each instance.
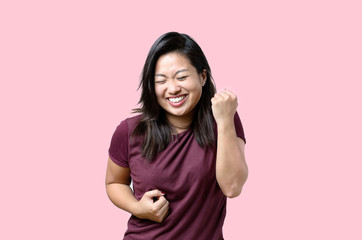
(172, 62)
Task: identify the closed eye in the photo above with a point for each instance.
(182, 78)
(160, 81)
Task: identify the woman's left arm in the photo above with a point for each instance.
(231, 167)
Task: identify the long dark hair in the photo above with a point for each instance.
(153, 124)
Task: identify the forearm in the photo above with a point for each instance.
(122, 196)
(231, 168)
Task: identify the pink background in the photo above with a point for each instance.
(69, 73)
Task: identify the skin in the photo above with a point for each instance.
(175, 77)
(231, 167)
(119, 192)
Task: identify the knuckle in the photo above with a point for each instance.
(154, 210)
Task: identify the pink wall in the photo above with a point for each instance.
(69, 72)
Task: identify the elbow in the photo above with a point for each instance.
(233, 192)
(234, 186)
(234, 189)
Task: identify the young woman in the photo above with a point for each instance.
(184, 152)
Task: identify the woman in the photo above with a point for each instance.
(184, 152)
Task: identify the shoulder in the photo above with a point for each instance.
(119, 147)
(239, 129)
(126, 127)
(129, 124)
(132, 122)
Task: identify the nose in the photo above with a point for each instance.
(173, 87)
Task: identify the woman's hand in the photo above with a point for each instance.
(224, 105)
(152, 206)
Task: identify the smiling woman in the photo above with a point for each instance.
(179, 93)
(184, 151)
(160, 70)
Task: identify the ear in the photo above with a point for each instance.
(203, 76)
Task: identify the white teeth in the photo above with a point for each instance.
(175, 100)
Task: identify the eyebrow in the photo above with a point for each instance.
(163, 75)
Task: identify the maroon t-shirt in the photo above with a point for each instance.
(186, 173)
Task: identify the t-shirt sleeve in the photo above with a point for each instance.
(239, 127)
(118, 150)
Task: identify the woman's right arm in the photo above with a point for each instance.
(120, 193)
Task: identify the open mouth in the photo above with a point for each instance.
(176, 99)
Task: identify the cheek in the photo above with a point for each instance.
(193, 86)
(159, 93)
(197, 90)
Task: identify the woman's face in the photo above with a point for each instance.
(178, 86)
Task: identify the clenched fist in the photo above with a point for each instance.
(153, 206)
(224, 105)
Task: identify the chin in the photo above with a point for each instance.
(177, 113)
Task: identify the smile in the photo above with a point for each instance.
(177, 99)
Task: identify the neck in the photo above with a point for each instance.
(181, 124)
